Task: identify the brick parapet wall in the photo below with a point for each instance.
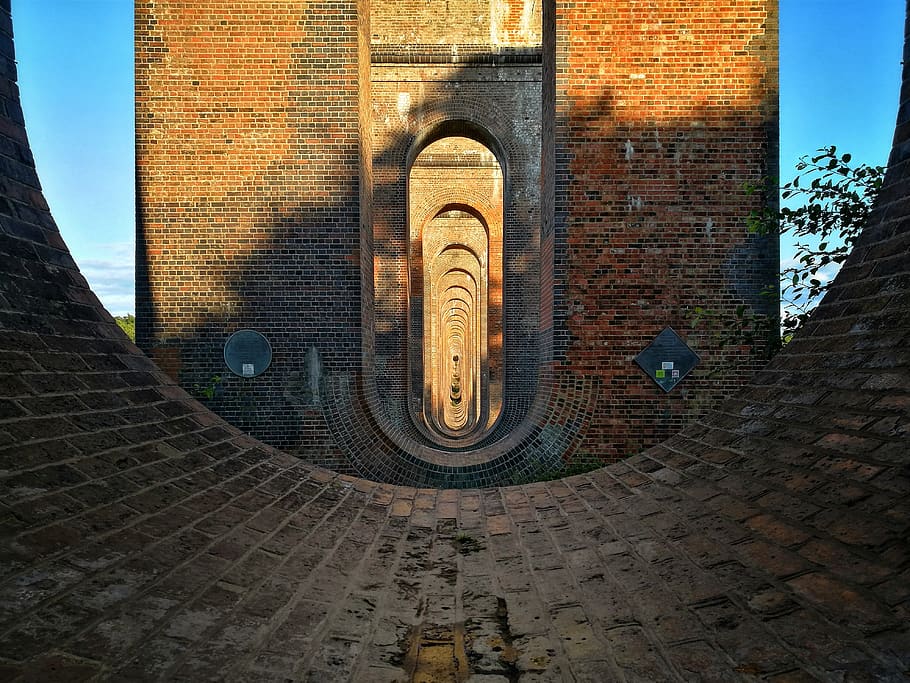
(508, 24)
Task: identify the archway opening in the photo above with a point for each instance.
(455, 197)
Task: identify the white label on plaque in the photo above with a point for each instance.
(248, 370)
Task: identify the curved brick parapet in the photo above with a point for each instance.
(142, 537)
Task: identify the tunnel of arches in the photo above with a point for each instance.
(455, 263)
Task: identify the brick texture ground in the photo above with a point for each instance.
(142, 538)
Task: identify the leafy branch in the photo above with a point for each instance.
(208, 390)
(831, 200)
(127, 323)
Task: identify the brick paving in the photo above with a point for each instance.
(141, 538)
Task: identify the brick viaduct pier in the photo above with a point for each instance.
(143, 538)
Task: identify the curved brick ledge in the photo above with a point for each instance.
(143, 538)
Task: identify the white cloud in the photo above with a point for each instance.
(110, 270)
(824, 274)
(795, 304)
(828, 273)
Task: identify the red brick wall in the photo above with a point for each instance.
(272, 159)
(247, 168)
(664, 111)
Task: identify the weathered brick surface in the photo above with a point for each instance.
(247, 93)
(274, 157)
(142, 538)
(654, 106)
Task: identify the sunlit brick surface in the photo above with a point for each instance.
(276, 192)
(144, 538)
(273, 158)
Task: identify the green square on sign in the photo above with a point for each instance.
(667, 359)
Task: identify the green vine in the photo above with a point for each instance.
(208, 391)
(833, 199)
(830, 202)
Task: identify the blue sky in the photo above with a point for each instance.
(840, 71)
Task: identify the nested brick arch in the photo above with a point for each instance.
(485, 216)
(450, 347)
(465, 119)
(476, 226)
(444, 199)
(396, 385)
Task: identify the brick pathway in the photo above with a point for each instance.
(238, 564)
(142, 538)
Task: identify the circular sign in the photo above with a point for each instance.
(247, 353)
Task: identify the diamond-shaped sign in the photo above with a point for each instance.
(667, 359)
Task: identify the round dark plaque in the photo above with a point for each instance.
(247, 353)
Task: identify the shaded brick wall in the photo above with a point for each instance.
(247, 173)
(272, 157)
